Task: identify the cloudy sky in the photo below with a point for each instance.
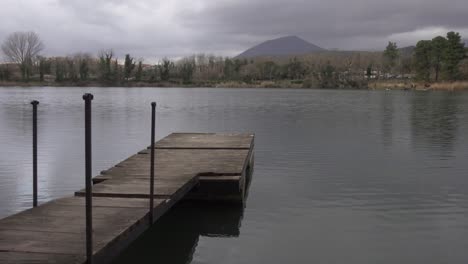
(154, 29)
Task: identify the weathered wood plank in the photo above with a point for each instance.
(171, 164)
(54, 216)
(134, 188)
(109, 202)
(36, 258)
(58, 227)
(206, 140)
(219, 178)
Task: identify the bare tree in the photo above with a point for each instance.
(23, 48)
(105, 64)
(84, 62)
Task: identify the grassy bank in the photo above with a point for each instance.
(293, 84)
(229, 84)
(419, 86)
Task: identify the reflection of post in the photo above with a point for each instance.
(34, 104)
(173, 239)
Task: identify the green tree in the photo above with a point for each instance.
(129, 66)
(43, 67)
(423, 59)
(72, 70)
(116, 72)
(59, 70)
(295, 69)
(454, 54)
(5, 72)
(154, 73)
(391, 55)
(186, 70)
(105, 65)
(369, 71)
(406, 65)
(228, 69)
(438, 47)
(165, 70)
(238, 64)
(139, 71)
(328, 78)
(84, 69)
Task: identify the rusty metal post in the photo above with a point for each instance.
(89, 202)
(34, 119)
(153, 128)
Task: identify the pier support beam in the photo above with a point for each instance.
(153, 132)
(88, 171)
(34, 126)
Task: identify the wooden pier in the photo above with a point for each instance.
(208, 167)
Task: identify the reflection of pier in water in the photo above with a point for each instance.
(174, 237)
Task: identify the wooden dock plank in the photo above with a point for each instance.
(54, 216)
(206, 140)
(58, 227)
(174, 163)
(37, 258)
(54, 232)
(139, 188)
(198, 159)
(109, 202)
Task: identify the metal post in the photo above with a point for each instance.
(34, 118)
(153, 125)
(89, 202)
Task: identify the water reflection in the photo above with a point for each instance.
(388, 112)
(174, 237)
(434, 122)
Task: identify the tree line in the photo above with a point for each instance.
(442, 58)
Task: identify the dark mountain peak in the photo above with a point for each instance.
(290, 38)
(284, 46)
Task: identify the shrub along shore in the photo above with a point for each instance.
(371, 85)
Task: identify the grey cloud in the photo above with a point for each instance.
(329, 23)
(154, 29)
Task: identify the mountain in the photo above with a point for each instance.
(285, 46)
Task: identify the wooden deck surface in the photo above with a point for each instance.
(206, 140)
(54, 232)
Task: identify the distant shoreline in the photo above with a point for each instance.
(230, 84)
(371, 85)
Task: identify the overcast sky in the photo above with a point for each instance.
(153, 29)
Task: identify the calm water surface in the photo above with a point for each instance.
(340, 176)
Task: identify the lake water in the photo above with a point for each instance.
(340, 176)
